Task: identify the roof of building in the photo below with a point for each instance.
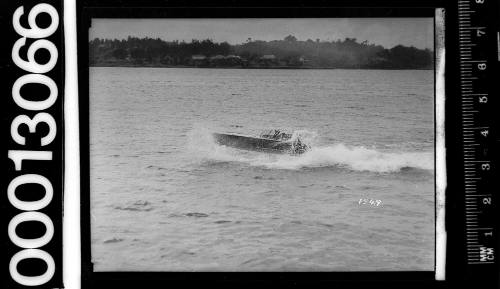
(217, 57)
(198, 57)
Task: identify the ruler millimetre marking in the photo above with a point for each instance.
(472, 130)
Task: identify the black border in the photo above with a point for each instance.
(455, 265)
(53, 169)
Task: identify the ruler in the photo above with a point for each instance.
(476, 66)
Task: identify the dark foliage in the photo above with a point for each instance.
(289, 52)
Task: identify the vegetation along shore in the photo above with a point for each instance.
(288, 53)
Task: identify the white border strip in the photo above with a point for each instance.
(71, 216)
(440, 258)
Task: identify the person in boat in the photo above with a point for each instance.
(282, 135)
(297, 147)
(276, 134)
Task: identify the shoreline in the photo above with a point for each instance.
(250, 67)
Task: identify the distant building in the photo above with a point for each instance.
(198, 57)
(226, 61)
(199, 60)
(217, 57)
(233, 60)
(296, 61)
(268, 59)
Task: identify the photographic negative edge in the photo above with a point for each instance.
(440, 172)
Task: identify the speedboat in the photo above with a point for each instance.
(273, 141)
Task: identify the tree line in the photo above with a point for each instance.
(288, 52)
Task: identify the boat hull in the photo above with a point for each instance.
(252, 143)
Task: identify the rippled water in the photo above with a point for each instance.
(165, 197)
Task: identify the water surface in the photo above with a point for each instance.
(164, 197)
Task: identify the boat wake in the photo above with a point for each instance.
(357, 158)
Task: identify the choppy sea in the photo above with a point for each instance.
(165, 197)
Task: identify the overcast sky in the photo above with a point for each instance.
(388, 32)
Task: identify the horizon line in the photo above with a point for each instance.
(255, 40)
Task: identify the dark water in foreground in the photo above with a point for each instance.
(164, 197)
